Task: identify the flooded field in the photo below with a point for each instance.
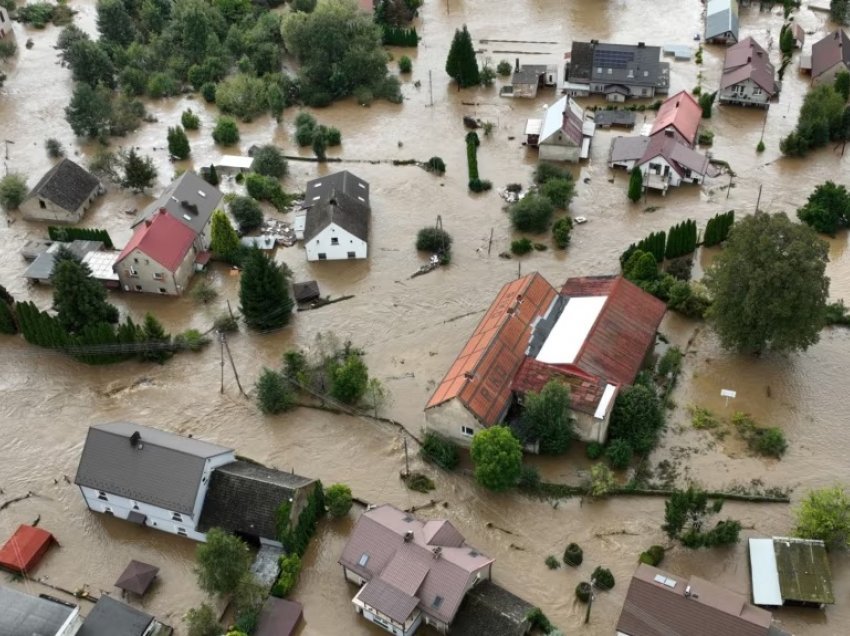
(412, 329)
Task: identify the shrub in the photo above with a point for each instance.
(274, 394)
(191, 339)
(529, 478)
(670, 362)
(705, 138)
(559, 191)
(619, 454)
(178, 143)
(583, 591)
(162, 85)
(487, 75)
(771, 442)
(419, 482)
(825, 515)
(208, 92)
(290, 569)
(480, 185)
(595, 450)
(202, 621)
(545, 172)
(436, 165)
(226, 132)
(242, 95)
(504, 68)
(552, 562)
(601, 480)
(538, 621)
(521, 246)
(404, 64)
(680, 268)
(436, 240)
(266, 189)
(338, 500)
(602, 578)
(54, 148)
(247, 213)
(562, 232)
(226, 323)
(333, 137)
(653, 556)
(203, 292)
(532, 213)
(760, 146)
(444, 453)
(13, 191)
(573, 555)
(268, 161)
(190, 120)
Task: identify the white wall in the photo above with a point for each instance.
(728, 94)
(32, 209)
(347, 242)
(174, 283)
(448, 418)
(558, 147)
(673, 176)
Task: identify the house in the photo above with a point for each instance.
(660, 604)
(527, 79)
(5, 23)
(564, 134)
(721, 21)
(748, 76)
(488, 610)
(41, 269)
(410, 572)
(618, 71)
(62, 195)
(244, 498)
(190, 200)
(159, 258)
(594, 335)
(336, 223)
(147, 476)
(829, 56)
(22, 552)
(787, 571)
(25, 615)
(114, 618)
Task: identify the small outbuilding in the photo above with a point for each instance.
(789, 571)
(490, 609)
(62, 195)
(137, 577)
(279, 617)
(114, 618)
(22, 552)
(721, 21)
(305, 292)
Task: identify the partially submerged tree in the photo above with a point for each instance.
(461, 64)
(338, 499)
(269, 161)
(828, 208)
(497, 456)
(13, 191)
(224, 242)
(247, 213)
(349, 379)
(825, 515)
(178, 143)
(635, 184)
(687, 515)
(637, 418)
(532, 213)
(221, 562)
(547, 418)
(274, 393)
(139, 172)
(79, 300)
(202, 621)
(264, 292)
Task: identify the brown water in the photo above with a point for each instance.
(47, 401)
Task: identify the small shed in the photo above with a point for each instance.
(235, 163)
(279, 617)
(790, 571)
(137, 577)
(25, 549)
(305, 292)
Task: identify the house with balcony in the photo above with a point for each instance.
(617, 71)
(410, 572)
(748, 77)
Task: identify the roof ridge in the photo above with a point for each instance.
(176, 450)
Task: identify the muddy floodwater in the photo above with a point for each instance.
(412, 329)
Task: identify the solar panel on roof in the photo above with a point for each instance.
(364, 559)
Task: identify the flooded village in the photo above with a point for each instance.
(416, 335)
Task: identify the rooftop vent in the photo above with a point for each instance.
(437, 551)
(136, 440)
(202, 194)
(641, 45)
(188, 205)
(408, 536)
(407, 518)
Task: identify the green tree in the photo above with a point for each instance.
(13, 191)
(842, 84)
(635, 185)
(786, 40)
(226, 132)
(242, 95)
(637, 418)
(377, 395)
(825, 515)
(178, 143)
(497, 456)
(269, 161)
(839, 11)
(89, 111)
(247, 213)
(202, 621)
(828, 208)
(222, 562)
(274, 393)
(264, 292)
(602, 481)
(461, 64)
(768, 286)
(320, 144)
(190, 120)
(619, 454)
(820, 120)
(687, 515)
(436, 240)
(90, 63)
(559, 191)
(114, 22)
(349, 379)
(78, 299)
(405, 65)
(224, 242)
(547, 418)
(158, 342)
(7, 318)
(532, 213)
(338, 500)
(562, 232)
(139, 172)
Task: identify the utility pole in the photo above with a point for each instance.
(221, 356)
(589, 603)
(758, 200)
(430, 90)
(519, 269)
(7, 142)
(233, 366)
(406, 459)
(490, 242)
(729, 187)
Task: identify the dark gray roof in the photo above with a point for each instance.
(624, 64)
(490, 609)
(114, 618)
(528, 74)
(66, 184)
(279, 617)
(189, 199)
(244, 497)
(348, 213)
(344, 181)
(614, 117)
(25, 615)
(306, 291)
(42, 267)
(164, 471)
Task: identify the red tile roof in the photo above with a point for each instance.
(163, 238)
(682, 113)
(623, 333)
(481, 375)
(24, 549)
(585, 389)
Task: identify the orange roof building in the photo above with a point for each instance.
(594, 336)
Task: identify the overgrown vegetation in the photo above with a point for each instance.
(290, 569)
(435, 240)
(66, 234)
(546, 419)
(825, 515)
(687, 515)
(296, 539)
(654, 556)
(823, 118)
(476, 184)
(533, 213)
(440, 451)
(827, 209)
(497, 455)
(764, 441)
(521, 246)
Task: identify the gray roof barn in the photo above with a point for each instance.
(347, 212)
(189, 199)
(626, 64)
(114, 618)
(244, 497)
(157, 467)
(721, 20)
(25, 615)
(322, 189)
(67, 185)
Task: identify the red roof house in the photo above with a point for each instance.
(680, 113)
(159, 257)
(25, 549)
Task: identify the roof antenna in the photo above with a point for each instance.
(136, 440)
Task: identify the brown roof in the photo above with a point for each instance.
(481, 375)
(829, 51)
(279, 617)
(687, 608)
(585, 389)
(682, 113)
(623, 332)
(748, 60)
(401, 570)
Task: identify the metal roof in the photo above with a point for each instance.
(25, 615)
(67, 185)
(803, 569)
(102, 264)
(721, 16)
(42, 267)
(114, 618)
(350, 214)
(189, 199)
(491, 610)
(563, 115)
(623, 64)
(570, 331)
(764, 573)
(163, 470)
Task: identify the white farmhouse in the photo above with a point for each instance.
(336, 224)
(147, 476)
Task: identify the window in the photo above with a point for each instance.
(162, 290)
(41, 204)
(158, 276)
(738, 89)
(181, 532)
(644, 91)
(352, 255)
(102, 495)
(133, 272)
(135, 260)
(757, 91)
(135, 505)
(176, 516)
(334, 240)
(323, 256)
(138, 288)
(364, 559)
(467, 430)
(599, 70)
(108, 511)
(610, 71)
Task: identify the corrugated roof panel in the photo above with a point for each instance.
(764, 574)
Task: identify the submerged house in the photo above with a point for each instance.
(26, 615)
(410, 572)
(527, 79)
(594, 335)
(748, 76)
(336, 222)
(564, 133)
(62, 195)
(788, 571)
(721, 21)
(617, 71)
(829, 56)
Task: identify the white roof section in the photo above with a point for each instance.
(554, 118)
(765, 573)
(584, 153)
(605, 401)
(533, 126)
(571, 330)
(235, 161)
(102, 264)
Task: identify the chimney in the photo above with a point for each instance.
(437, 551)
(641, 45)
(516, 66)
(136, 440)
(749, 59)
(408, 536)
